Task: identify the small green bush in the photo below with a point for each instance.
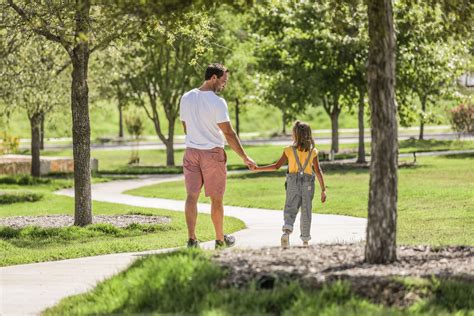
(75, 232)
(10, 197)
(24, 180)
(462, 118)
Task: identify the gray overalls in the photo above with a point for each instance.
(299, 193)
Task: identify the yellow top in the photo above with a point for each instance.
(302, 155)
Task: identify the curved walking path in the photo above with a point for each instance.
(30, 288)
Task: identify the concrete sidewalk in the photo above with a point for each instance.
(30, 288)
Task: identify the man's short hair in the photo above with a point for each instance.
(215, 69)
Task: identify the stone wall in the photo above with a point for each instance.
(21, 164)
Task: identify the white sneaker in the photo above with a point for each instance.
(285, 240)
(305, 244)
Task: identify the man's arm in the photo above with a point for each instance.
(234, 143)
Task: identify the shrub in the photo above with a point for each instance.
(24, 180)
(462, 118)
(134, 124)
(10, 197)
(9, 144)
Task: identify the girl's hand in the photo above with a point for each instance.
(323, 196)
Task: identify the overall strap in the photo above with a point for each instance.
(302, 168)
(308, 159)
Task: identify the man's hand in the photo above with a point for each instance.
(250, 163)
(323, 196)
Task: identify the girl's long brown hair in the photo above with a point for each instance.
(303, 136)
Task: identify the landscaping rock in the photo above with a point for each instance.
(67, 220)
(322, 264)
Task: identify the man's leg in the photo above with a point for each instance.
(190, 210)
(217, 215)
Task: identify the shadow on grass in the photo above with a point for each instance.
(460, 156)
(421, 145)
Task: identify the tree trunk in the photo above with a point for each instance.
(361, 152)
(35, 124)
(335, 128)
(283, 118)
(382, 218)
(120, 108)
(170, 145)
(422, 117)
(80, 119)
(42, 132)
(335, 132)
(237, 120)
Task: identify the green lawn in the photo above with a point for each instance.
(153, 161)
(37, 245)
(104, 120)
(155, 286)
(436, 200)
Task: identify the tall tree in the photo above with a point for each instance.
(382, 219)
(36, 87)
(315, 48)
(431, 54)
(69, 25)
(430, 58)
(233, 45)
(111, 72)
(280, 84)
(82, 27)
(168, 58)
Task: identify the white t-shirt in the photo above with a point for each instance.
(201, 111)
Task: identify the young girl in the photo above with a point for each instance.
(303, 164)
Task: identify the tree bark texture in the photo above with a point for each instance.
(120, 108)
(335, 131)
(35, 124)
(283, 119)
(361, 151)
(422, 118)
(80, 118)
(382, 217)
(42, 132)
(170, 145)
(333, 110)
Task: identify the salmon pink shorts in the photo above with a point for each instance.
(205, 167)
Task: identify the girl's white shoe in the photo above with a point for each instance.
(285, 240)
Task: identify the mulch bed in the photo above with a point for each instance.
(321, 264)
(67, 220)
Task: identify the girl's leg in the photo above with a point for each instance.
(292, 204)
(306, 211)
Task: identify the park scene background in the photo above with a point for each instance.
(287, 61)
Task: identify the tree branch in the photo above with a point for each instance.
(40, 31)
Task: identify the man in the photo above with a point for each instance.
(205, 118)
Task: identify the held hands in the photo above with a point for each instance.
(323, 196)
(250, 163)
